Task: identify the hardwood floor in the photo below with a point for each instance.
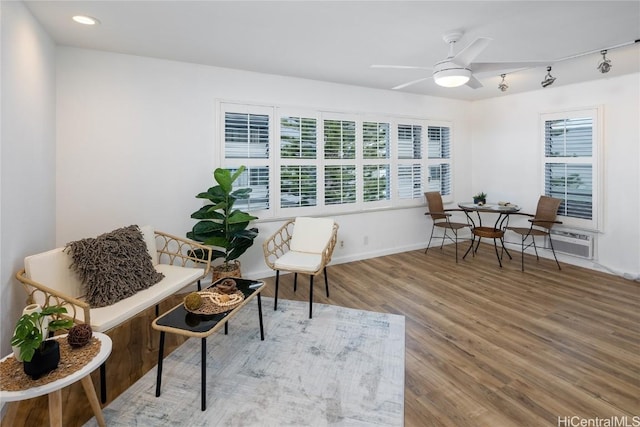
(484, 346)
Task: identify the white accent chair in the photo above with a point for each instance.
(303, 245)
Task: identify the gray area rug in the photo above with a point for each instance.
(344, 367)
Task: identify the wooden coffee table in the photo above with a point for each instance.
(180, 321)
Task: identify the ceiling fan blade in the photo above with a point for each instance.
(411, 83)
(401, 67)
(474, 83)
(484, 67)
(469, 53)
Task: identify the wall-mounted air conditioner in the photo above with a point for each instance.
(572, 243)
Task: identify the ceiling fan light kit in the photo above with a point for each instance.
(452, 77)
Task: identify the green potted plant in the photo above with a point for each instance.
(39, 355)
(480, 198)
(222, 226)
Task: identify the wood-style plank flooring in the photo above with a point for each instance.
(484, 346)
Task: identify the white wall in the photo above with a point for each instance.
(135, 144)
(507, 155)
(27, 154)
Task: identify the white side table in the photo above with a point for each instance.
(53, 389)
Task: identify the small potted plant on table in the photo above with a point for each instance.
(223, 226)
(480, 199)
(39, 355)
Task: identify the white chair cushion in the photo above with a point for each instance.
(175, 278)
(299, 261)
(311, 235)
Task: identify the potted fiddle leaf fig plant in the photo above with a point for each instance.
(222, 226)
(39, 355)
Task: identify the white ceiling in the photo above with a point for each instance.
(337, 41)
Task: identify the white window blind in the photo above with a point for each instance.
(256, 178)
(298, 186)
(339, 139)
(298, 164)
(339, 184)
(376, 182)
(246, 133)
(246, 136)
(409, 176)
(375, 159)
(340, 147)
(439, 159)
(570, 172)
(298, 136)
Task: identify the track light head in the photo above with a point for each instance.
(503, 86)
(605, 65)
(548, 79)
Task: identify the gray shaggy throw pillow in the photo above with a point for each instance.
(113, 266)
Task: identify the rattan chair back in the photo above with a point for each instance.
(434, 202)
(547, 210)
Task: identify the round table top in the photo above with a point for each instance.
(92, 365)
(489, 207)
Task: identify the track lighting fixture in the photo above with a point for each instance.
(503, 86)
(605, 65)
(548, 79)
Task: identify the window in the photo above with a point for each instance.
(375, 158)
(340, 167)
(570, 165)
(439, 160)
(298, 156)
(409, 155)
(310, 162)
(247, 136)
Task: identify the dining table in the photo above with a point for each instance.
(502, 210)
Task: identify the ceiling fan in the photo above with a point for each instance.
(459, 69)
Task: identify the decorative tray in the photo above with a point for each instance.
(214, 302)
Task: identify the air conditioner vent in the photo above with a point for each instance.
(572, 243)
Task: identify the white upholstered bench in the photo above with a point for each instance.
(48, 280)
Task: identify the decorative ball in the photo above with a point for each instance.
(79, 335)
(227, 286)
(193, 301)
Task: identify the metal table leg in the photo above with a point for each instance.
(204, 374)
(160, 357)
(260, 316)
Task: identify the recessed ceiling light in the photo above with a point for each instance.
(85, 20)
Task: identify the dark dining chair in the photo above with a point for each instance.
(541, 224)
(442, 219)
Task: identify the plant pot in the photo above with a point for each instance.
(220, 272)
(478, 200)
(44, 360)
